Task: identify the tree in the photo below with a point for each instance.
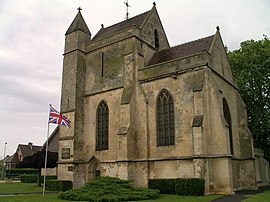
(251, 66)
(37, 161)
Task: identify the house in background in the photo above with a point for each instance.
(21, 152)
(28, 150)
(53, 146)
(53, 141)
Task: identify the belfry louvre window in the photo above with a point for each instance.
(102, 126)
(165, 119)
(156, 38)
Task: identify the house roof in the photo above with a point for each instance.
(27, 150)
(182, 50)
(137, 21)
(53, 141)
(12, 159)
(78, 24)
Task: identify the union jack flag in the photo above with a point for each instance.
(57, 118)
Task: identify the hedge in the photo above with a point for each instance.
(17, 172)
(166, 186)
(179, 186)
(58, 185)
(28, 178)
(32, 178)
(49, 177)
(21, 171)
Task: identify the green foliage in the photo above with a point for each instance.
(166, 186)
(251, 66)
(107, 189)
(58, 185)
(261, 197)
(183, 187)
(18, 172)
(49, 177)
(37, 160)
(32, 178)
(28, 178)
(189, 187)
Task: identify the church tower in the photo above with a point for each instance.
(72, 98)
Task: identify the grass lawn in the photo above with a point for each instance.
(262, 197)
(31, 198)
(17, 187)
(53, 198)
(175, 198)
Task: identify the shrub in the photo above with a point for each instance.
(58, 185)
(166, 186)
(32, 178)
(189, 187)
(18, 172)
(108, 189)
(49, 177)
(28, 178)
(179, 186)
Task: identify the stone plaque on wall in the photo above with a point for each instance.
(65, 153)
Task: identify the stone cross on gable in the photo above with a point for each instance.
(79, 9)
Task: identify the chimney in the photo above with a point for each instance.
(30, 144)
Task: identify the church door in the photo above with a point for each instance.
(93, 169)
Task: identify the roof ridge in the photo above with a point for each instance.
(120, 26)
(126, 20)
(193, 41)
(182, 50)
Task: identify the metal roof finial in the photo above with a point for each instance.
(126, 3)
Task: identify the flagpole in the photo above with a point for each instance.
(46, 153)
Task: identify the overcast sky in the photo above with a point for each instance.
(32, 44)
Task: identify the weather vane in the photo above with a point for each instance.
(127, 9)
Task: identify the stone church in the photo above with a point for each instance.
(141, 109)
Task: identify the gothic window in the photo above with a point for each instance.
(102, 126)
(227, 116)
(156, 37)
(165, 119)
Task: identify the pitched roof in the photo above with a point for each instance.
(12, 159)
(27, 151)
(53, 141)
(182, 50)
(137, 20)
(78, 24)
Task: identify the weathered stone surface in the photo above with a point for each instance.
(114, 69)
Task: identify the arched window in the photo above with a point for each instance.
(102, 126)
(156, 38)
(165, 119)
(227, 116)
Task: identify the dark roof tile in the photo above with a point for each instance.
(78, 24)
(182, 50)
(27, 151)
(137, 20)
